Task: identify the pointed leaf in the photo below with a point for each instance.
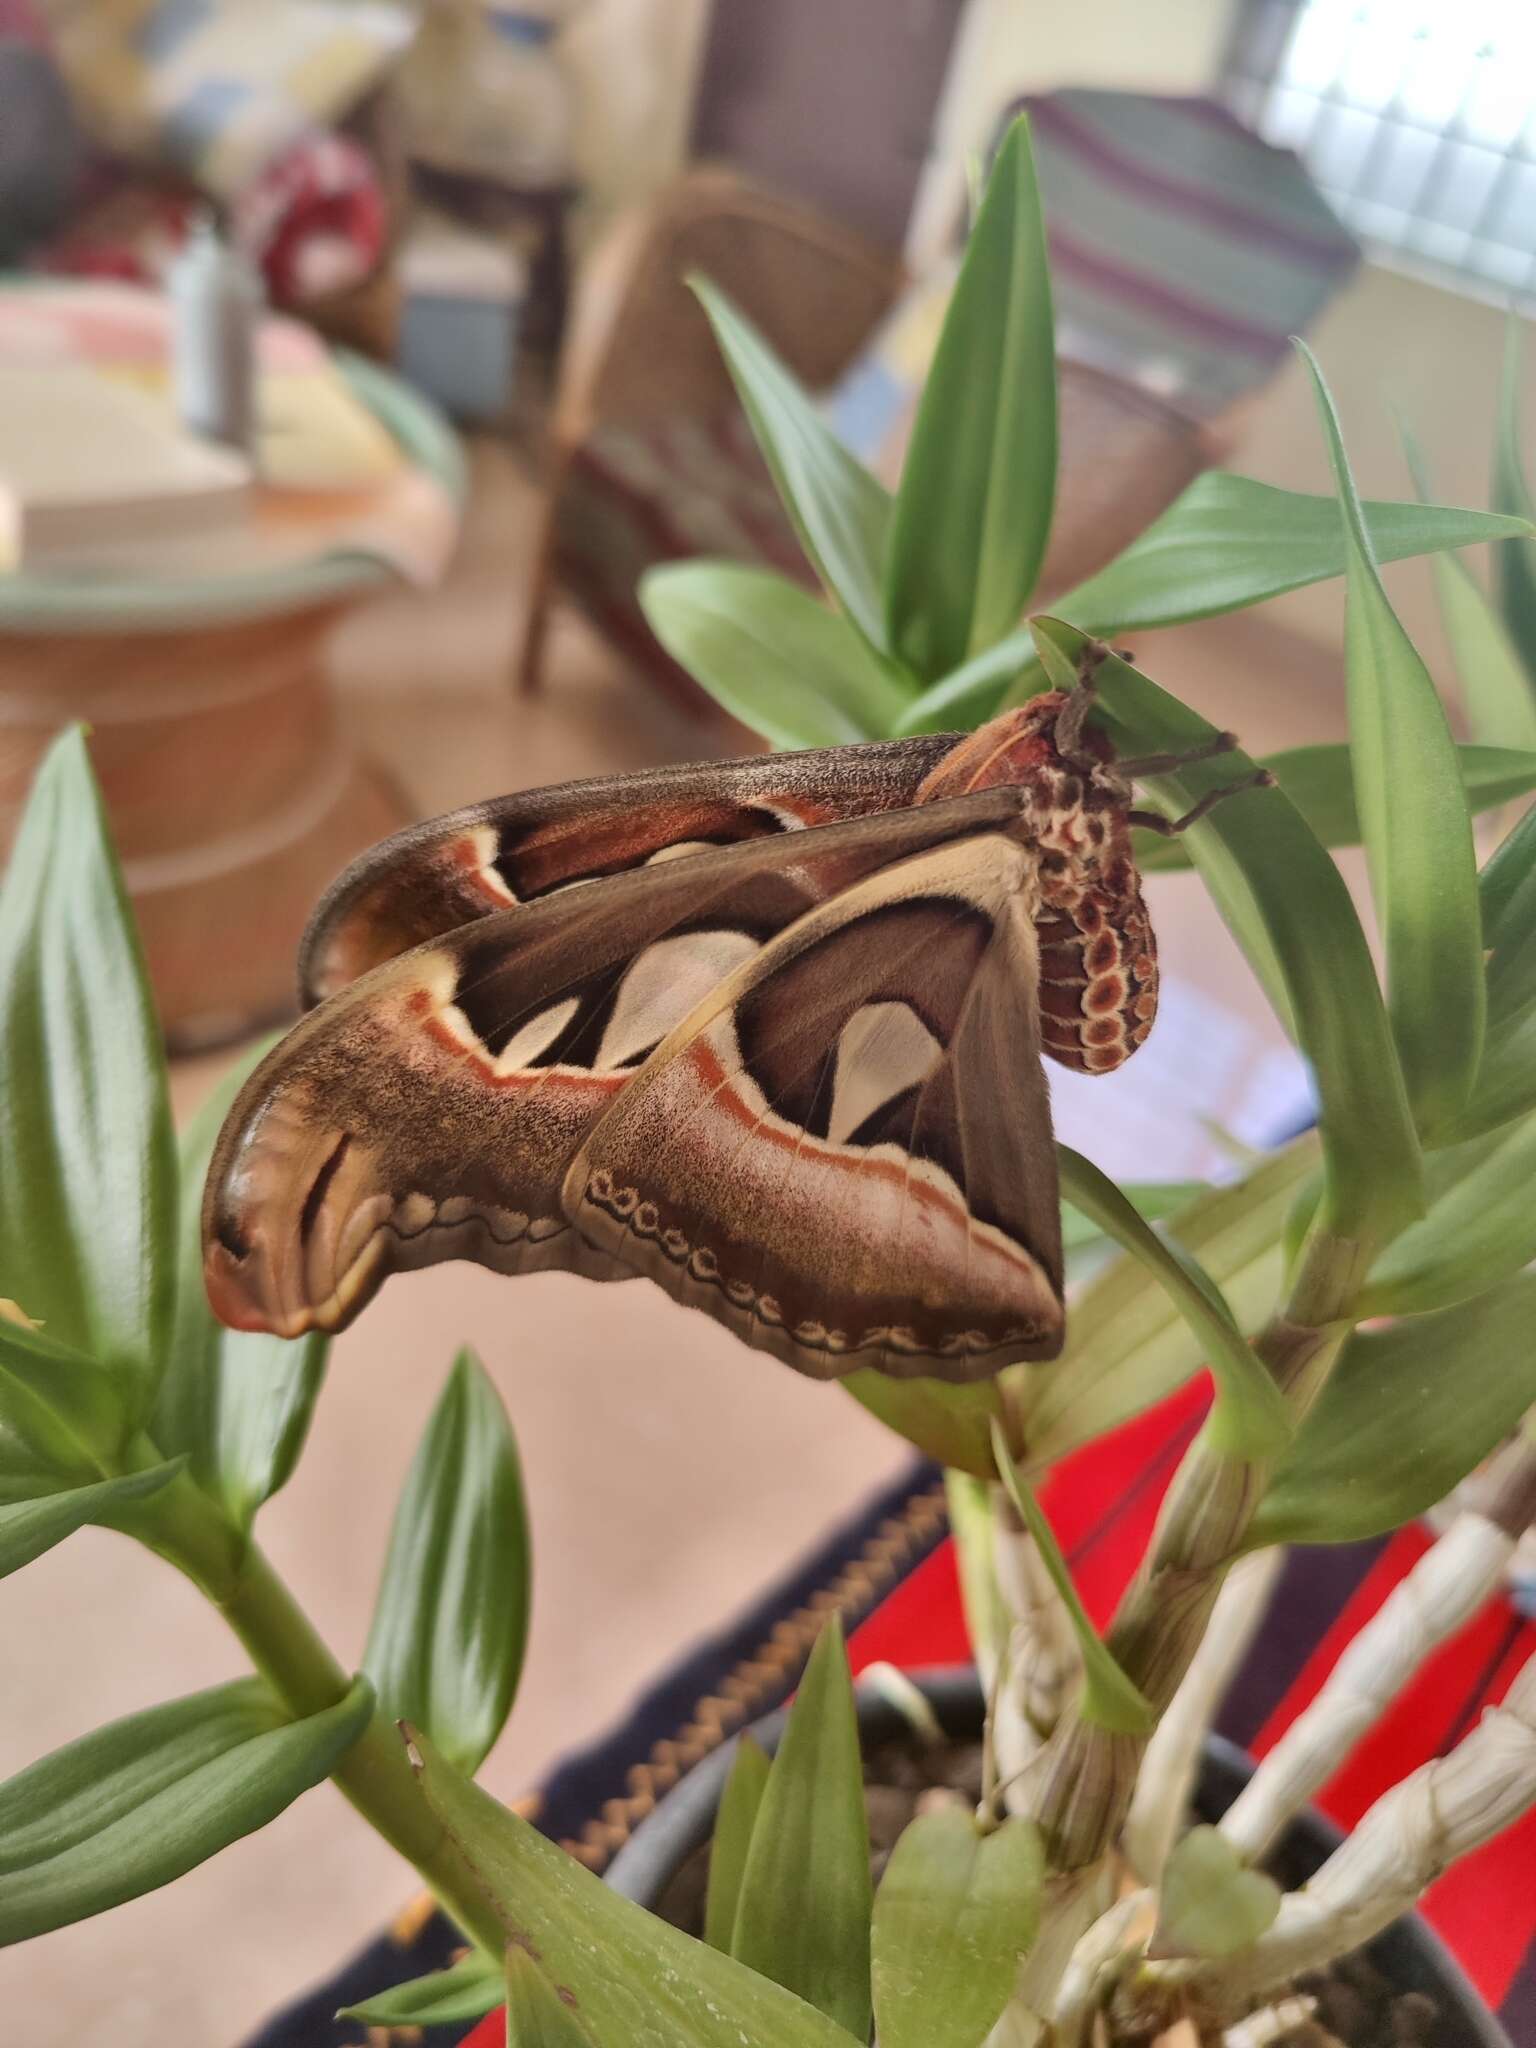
(1500, 697)
(1320, 783)
(802, 1917)
(1415, 826)
(70, 1410)
(1229, 542)
(739, 1802)
(463, 1991)
(538, 2015)
(87, 1173)
(1286, 904)
(1109, 1698)
(979, 481)
(1406, 1415)
(1514, 559)
(29, 1527)
(635, 1982)
(971, 694)
(771, 654)
(237, 1403)
(1476, 1233)
(1250, 1419)
(1506, 1080)
(127, 1809)
(1209, 1902)
(840, 512)
(451, 1623)
(955, 1911)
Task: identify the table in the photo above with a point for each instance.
(233, 792)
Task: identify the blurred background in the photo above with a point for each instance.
(484, 403)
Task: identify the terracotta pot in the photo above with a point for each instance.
(1408, 1954)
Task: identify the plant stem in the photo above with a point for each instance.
(185, 1527)
(1163, 1616)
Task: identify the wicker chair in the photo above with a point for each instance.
(649, 456)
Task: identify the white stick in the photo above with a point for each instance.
(1444, 1811)
(1445, 1589)
(1166, 1778)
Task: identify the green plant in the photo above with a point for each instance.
(1362, 1297)
(123, 1403)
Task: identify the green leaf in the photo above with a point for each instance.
(1500, 697)
(734, 1822)
(29, 1527)
(973, 513)
(1507, 886)
(955, 1911)
(1250, 1419)
(635, 1981)
(1319, 782)
(464, 1991)
(123, 1811)
(1152, 1199)
(1506, 1080)
(451, 1622)
(840, 512)
(1286, 904)
(988, 1622)
(69, 1409)
(1415, 826)
(1407, 1414)
(802, 1917)
(1109, 1699)
(539, 2015)
(774, 656)
(1477, 1232)
(971, 694)
(1127, 1344)
(1209, 1902)
(1228, 542)
(237, 1403)
(1514, 560)
(87, 1172)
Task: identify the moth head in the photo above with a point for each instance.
(1044, 747)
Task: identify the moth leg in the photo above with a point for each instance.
(1072, 719)
(1165, 764)
(1169, 828)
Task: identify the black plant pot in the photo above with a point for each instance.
(1407, 1954)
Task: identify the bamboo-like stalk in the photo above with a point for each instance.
(1079, 1787)
(1044, 1664)
(1443, 1591)
(1444, 1811)
(1199, 1534)
(1165, 1782)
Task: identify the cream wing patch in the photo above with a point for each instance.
(668, 980)
(883, 1050)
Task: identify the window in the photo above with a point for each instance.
(1417, 118)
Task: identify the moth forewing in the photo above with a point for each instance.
(844, 1151)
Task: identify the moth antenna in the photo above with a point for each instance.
(1169, 828)
(1164, 764)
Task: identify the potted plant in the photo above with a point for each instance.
(1360, 1298)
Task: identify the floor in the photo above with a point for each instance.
(670, 1473)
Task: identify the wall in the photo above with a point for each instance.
(1006, 47)
(632, 66)
(1391, 345)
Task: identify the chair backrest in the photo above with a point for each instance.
(1184, 251)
